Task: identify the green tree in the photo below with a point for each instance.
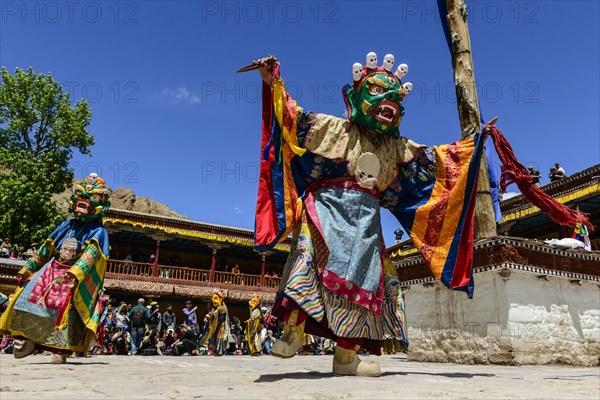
(39, 130)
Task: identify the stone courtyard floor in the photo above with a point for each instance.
(302, 377)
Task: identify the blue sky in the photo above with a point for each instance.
(174, 122)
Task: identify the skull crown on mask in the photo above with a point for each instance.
(374, 99)
(90, 198)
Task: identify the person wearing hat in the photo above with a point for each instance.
(155, 319)
(138, 317)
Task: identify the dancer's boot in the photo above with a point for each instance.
(346, 362)
(23, 348)
(59, 359)
(292, 339)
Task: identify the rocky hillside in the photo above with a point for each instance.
(125, 199)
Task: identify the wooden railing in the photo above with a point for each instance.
(183, 273)
(272, 282)
(166, 273)
(129, 268)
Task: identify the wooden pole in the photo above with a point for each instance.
(156, 255)
(262, 269)
(468, 110)
(213, 264)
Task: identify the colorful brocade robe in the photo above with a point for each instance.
(49, 310)
(338, 272)
(217, 335)
(254, 327)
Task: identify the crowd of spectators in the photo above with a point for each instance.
(556, 173)
(144, 330)
(161, 334)
(14, 251)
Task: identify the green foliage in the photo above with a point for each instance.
(39, 129)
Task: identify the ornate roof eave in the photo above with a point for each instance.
(529, 209)
(404, 248)
(184, 228)
(507, 266)
(516, 253)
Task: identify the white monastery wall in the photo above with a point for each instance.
(519, 319)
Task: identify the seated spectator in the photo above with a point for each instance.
(14, 255)
(121, 343)
(187, 342)
(149, 346)
(268, 341)
(169, 339)
(30, 251)
(5, 248)
(102, 345)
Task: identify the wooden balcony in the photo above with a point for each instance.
(145, 279)
(128, 270)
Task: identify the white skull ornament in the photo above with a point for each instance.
(367, 170)
(92, 178)
(402, 71)
(372, 60)
(388, 62)
(408, 87)
(357, 71)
